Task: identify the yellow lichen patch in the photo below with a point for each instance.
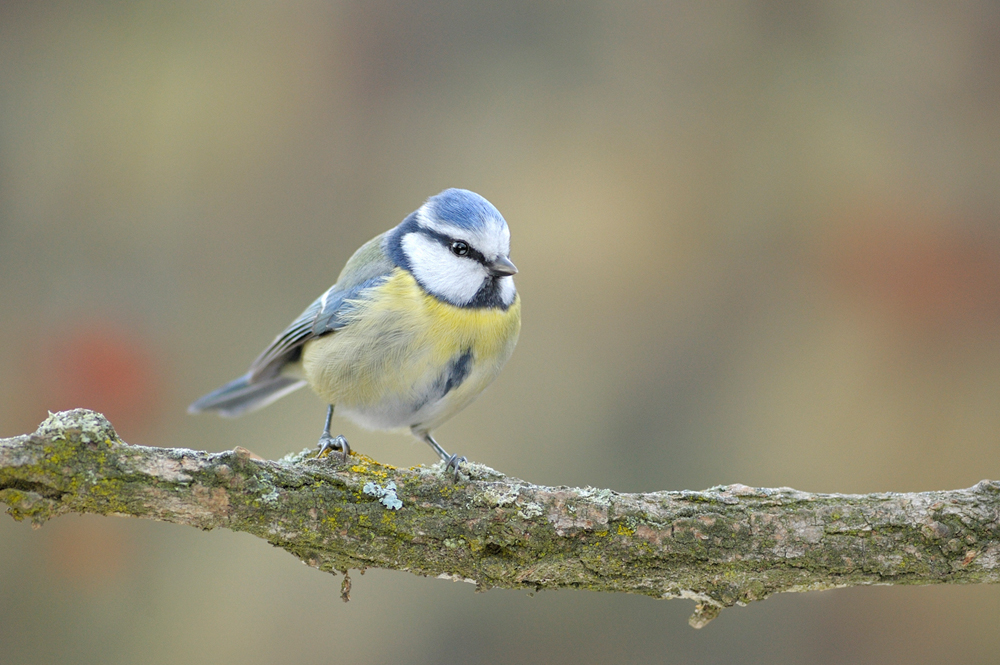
(52, 456)
(366, 465)
(16, 502)
(623, 530)
(365, 470)
(109, 492)
(364, 459)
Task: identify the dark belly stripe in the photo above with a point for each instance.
(457, 371)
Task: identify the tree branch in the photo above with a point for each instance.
(720, 547)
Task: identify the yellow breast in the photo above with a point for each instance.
(384, 368)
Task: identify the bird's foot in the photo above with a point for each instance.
(328, 443)
(453, 462)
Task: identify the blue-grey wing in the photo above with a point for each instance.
(366, 268)
(287, 346)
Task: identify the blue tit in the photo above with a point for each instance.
(422, 318)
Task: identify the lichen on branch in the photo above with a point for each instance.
(723, 546)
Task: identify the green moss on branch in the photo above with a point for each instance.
(724, 546)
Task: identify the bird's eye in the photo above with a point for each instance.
(459, 248)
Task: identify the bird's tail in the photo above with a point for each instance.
(240, 396)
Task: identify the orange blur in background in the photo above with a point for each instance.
(758, 242)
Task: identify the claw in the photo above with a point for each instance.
(452, 463)
(329, 443)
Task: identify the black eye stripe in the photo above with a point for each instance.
(447, 241)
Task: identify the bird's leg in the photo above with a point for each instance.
(328, 442)
(450, 461)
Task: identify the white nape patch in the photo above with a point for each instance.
(454, 278)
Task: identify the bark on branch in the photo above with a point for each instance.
(720, 547)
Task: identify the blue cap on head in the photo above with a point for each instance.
(463, 208)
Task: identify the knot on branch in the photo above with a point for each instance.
(78, 426)
(39, 470)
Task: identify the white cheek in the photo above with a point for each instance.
(507, 290)
(442, 273)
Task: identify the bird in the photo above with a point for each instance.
(420, 321)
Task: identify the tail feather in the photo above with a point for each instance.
(240, 396)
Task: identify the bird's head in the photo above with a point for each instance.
(457, 247)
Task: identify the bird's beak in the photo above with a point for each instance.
(501, 267)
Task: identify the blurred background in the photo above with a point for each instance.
(759, 242)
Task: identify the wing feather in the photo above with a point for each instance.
(366, 268)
